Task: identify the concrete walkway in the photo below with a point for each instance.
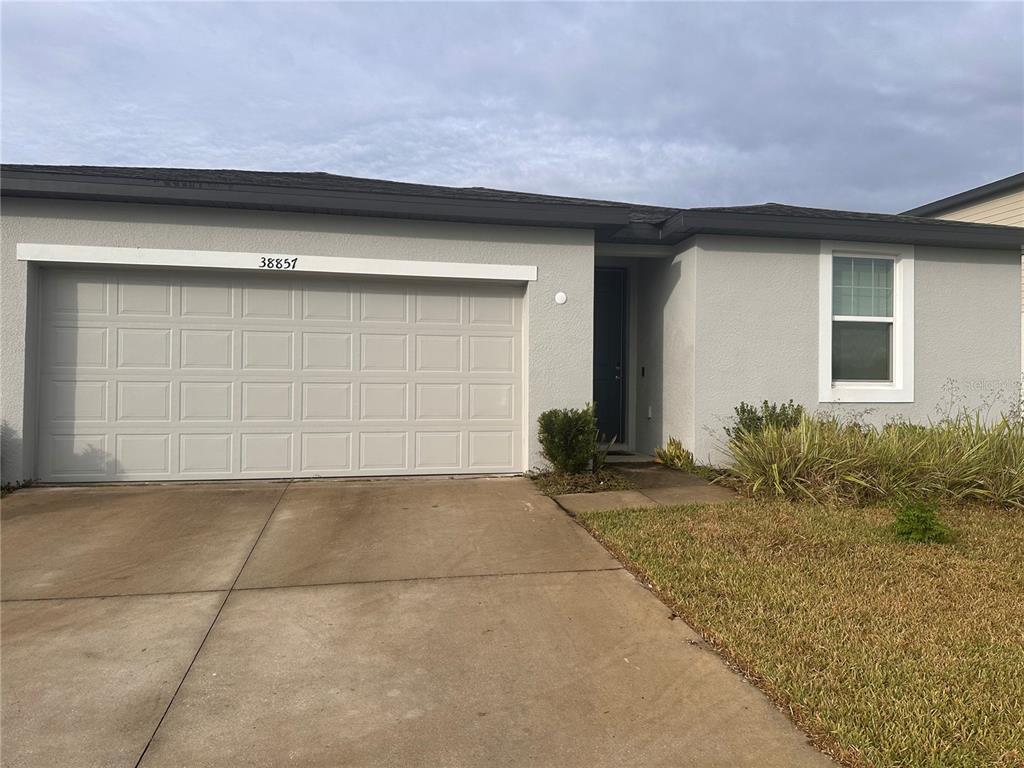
(654, 486)
(324, 623)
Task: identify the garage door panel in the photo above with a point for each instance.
(384, 305)
(489, 450)
(326, 351)
(438, 450)
(439, 353)
(209, 401)
(207, 300)
(259, 301)
(383, 451)
(266, 452)
(492, 310)
(267, 350)
(326, 451)
(441, 308)
(143, 297)
(203, 348)
(73, 456)
(144, 348)
(146, 455)
(160, 375)
(266, 401)
(77, 294)
(72, 346)
(75, 401)
(326, 401)
(206, 454)
(330, 305)
(438, 402)
(143, 401)
(384, 352)
(383, 401)
(491, 402)
(492, 354)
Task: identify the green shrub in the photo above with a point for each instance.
(675, 456)
(752, 420)
(825, 459)
(568, 438)
(918, 521)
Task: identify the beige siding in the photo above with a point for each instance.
(1006, 208)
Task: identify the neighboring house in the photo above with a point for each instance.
(1000, 202)
(189, 324)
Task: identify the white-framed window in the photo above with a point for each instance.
(866, 324)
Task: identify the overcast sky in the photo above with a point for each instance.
(846, 105)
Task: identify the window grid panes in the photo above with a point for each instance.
(861, 287)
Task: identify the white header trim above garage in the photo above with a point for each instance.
(272, 262)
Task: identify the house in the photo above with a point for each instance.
(167, 324)
(998, 202)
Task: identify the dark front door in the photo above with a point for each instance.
(610, 352)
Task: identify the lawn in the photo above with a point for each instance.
(889, 654)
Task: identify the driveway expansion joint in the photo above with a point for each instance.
(358, 582)
(213, 623)
(114, 595)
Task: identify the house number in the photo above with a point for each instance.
(266, 263)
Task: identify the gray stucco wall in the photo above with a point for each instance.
(666, 338)
(559, 360)
(757, 331)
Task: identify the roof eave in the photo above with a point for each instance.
(105, 189)
(968, 196)
(686, 224)
(915, 233)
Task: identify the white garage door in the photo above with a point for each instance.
(186, 375)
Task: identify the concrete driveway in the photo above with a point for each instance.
(359, 623)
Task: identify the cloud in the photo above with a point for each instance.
(859, 105)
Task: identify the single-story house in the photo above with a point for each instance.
(998, 202)
(169, 324)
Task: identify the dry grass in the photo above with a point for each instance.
(556, 483)
(889, 654)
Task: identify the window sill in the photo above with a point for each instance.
(866, 393)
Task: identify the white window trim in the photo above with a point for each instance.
(165, 257)
(901, 388)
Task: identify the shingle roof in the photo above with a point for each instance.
(327, 182)
(326, 192)
(314, 180)
(781, 209)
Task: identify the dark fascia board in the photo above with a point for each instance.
(686, 224)
(968, 196)
(925, 232)
(98, 188)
